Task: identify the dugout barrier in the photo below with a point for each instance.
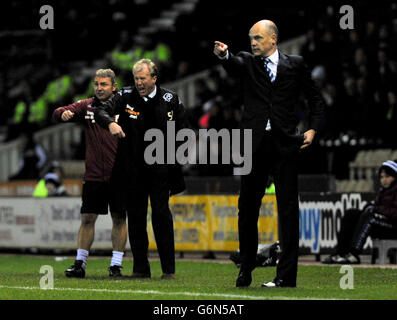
(202, 222)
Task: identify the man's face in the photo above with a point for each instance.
(261, 41)
(103, 88)
(144, 82)
(51, 188)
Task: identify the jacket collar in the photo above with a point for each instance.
(274, 57)
(151, 95)
(281, 65)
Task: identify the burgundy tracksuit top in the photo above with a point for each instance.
(101, 146)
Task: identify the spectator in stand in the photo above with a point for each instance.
(365, 73)
(97, 194)
(332, 123)
(389, 122)
(385, 72)
(41, 190)
(377, 219)
(349, 105)
(371, 40)
(328, 48)
(353, 43)
(310, 48)
(369, 117)
(33, 160)
(54, 185)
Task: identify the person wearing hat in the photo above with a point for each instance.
(54, 185)
(40, 190)
(377, 219)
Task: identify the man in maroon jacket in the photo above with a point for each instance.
(97, 195)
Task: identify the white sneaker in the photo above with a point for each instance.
(339, 259)
(352, 259)
(270, 284)
(333, 259)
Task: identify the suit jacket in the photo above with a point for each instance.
(276, 101)
(129, 163)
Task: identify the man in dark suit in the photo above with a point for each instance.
(145, 107)
(272, 83)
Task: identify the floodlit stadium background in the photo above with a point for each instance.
(356, 70)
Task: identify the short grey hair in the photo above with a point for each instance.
(103, 73)
(272, 28)
(151, 65)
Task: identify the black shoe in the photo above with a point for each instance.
(115, 271)
(244, 279)
(140, 275)
(278, 283)
(76, 270)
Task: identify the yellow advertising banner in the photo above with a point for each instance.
(210, 223)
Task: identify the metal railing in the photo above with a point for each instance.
(56, 140)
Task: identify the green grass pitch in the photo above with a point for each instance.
(20, 280)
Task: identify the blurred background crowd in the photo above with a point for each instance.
(356, 69)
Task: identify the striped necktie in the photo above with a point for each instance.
(271, 77)
(269, 72)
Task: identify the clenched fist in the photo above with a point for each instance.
(116, 130)
(67, 115)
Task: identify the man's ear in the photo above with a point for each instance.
(274, 38)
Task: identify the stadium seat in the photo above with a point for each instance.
(354, 185)
(341, 185)
(393, 155)
(364, 185)
(73, 169)
(382, 246)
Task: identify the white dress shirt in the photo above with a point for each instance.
(151, 95)
(272, 65)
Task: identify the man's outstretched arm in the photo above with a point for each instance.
(104, 115)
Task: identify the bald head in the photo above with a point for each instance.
(263, 37)
(266, 26)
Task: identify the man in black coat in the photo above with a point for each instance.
(272, 83)
(144, 107)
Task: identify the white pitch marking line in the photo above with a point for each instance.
(193, 294)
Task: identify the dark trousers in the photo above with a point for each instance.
(267, 160)
(156, 188)
(356, 226)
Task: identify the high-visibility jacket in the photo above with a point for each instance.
(57, 89)
(40, 190)
(20, 110)
(38, 111)
(162, 53)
